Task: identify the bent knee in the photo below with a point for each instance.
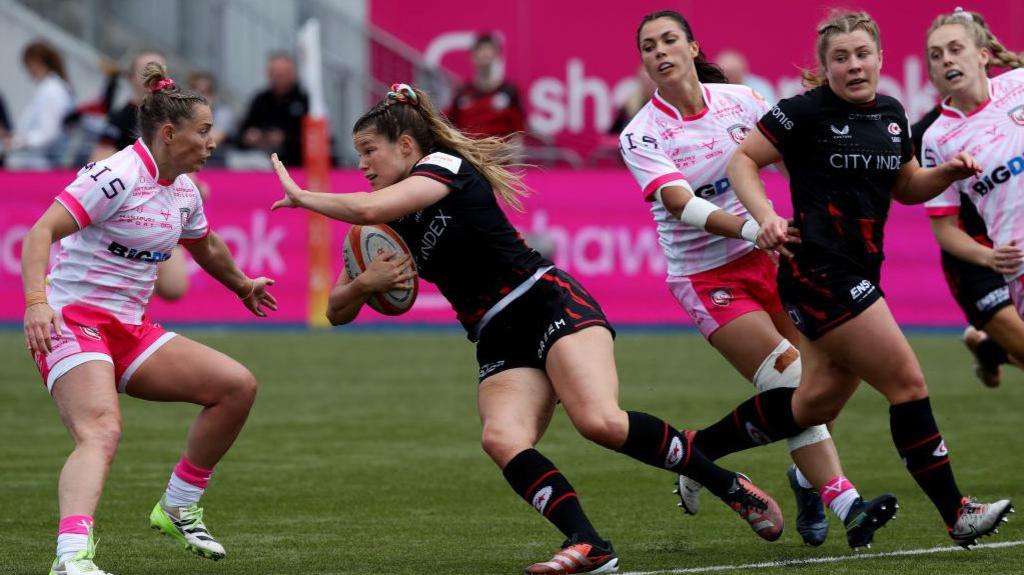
(908, 385)
(608, 428)
(810, 409)
(102, 433)
(502, 443)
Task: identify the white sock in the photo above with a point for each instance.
(69, 544)
(802, 481)
(842, 503)
(181, 493)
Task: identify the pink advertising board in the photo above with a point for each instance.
(575, 61)
(600, 229)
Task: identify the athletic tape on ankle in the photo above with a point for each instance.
(782, 368)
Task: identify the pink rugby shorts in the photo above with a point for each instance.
(715, 297)
(92, 334)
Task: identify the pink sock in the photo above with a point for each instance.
(839, 494)
(191, 474)
(186, 485)
(72, 536)
(75, 524)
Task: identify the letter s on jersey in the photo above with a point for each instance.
(782, 118)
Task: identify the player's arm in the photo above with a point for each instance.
(915, 185)
(410, 195)
(383, 274)
(213, 255)
(683, 205)
(743, 170)
(55, 224)
(1002, 259)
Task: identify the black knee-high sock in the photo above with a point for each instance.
(657, 443)
(991, 353)
(536, 480)
(924, 452)
(762, 419)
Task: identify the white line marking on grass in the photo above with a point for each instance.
(816, 560)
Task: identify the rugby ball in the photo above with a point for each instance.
(363, 244)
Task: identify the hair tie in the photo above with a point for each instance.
(964, 14)
(403, 93)
(162, 84)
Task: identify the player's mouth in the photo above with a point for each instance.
(665, 67)
(953, 75)
(371, 177)
(856, 82)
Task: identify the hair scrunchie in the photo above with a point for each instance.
(161, 85)
(963, 14)
(403, 93)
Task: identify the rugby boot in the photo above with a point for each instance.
(756, 507)
(185, 526)
(688, 491)
(866, 517)
(578, 557)
(976, 520)
(811, 522)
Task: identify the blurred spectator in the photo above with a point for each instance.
(274, 120)
(223, 116)
(734, 64)
(121, 129)
(488, 105)
(37, 142)
(5, 129)
(638, 98)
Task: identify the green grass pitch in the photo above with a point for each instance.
(362, 456)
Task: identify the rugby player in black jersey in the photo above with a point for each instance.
(540, 336)
(848, 153)
(975, 275)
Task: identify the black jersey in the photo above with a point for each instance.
(969, 219)
(464, 243)
(843, 159)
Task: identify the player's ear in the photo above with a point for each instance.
(166, 132)
(406, 145)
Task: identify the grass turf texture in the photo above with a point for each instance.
(362, 456)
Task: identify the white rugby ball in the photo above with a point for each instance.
(363, 244)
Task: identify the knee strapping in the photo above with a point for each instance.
(782, 368)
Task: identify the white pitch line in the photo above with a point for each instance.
(815, 560)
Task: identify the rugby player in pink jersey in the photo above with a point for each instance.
(984, 117)
(678, 147)
(89, 332)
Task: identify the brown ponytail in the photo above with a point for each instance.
(408, 110)
(983, 37)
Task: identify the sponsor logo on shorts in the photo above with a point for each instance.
(1017, 115)
(861, 290)
(721, 297)
(555, 327)
(941, 450)
(675, 453)
(993, 299)
(756, 435)
(90, 332)
(489, 368)
(541, 498)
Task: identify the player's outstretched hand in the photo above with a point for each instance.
(962, 166)
(39, 320)
(292, 191)
(257, 299)
(388, 272)
(1006, 259)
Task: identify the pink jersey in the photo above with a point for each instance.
(129, 220)
(662, 147)
(994, 134)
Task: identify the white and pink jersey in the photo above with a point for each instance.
(662, 147)
(129, 220)
(994, 134)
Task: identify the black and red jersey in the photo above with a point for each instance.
(843, 159)
(495, 112)
(464, 243)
